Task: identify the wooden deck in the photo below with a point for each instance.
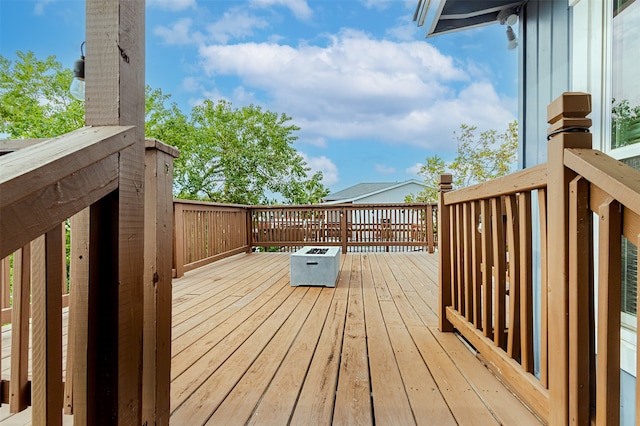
(250, 349)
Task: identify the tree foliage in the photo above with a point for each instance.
(625, 127)
(232, 155)
(35, 100)
(480, 158)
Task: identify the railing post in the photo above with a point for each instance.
(343, 228)
(249, 227)
(158, 242)
(444, 252)
(565, 113)
(178, 239)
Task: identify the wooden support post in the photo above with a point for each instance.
(158, 236)
(114, 73)
(444, 251)
(20, 329)
(568, 105)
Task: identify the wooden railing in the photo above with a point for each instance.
(487, 269)
(12, 274)
(26, 270)
(205, 232)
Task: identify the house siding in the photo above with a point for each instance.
(545, 65)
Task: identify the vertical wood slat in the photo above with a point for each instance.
(476, 258)
(544, 289)
(609, 304)
(47, 390)
(20, 329)
(637, 352)
(5, 282)
(499, 269)
(467, 232)
(455, 302)
(580, 285)
(486, 242)
(459, 259)
(444, 254)
(526, 282)
(76, 390)
(513, 241)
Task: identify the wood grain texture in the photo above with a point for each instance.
(609, 304)
(20, 329)
(47, 389)
(580, 302)
(30, 216)
(115, 97)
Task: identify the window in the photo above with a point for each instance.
(625, 126)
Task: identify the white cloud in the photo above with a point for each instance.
(173, 5)
(384, 169)
(322, 164)
(320, 142)
(235, 24)
(177, 34)
(415, 169)
(358, 88)
(38, 8)
(299, 8)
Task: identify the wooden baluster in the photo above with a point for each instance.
(609, 305)
(46, 390)
(513, 241)
(580, 301)
(526, 281)
(476, 260)
(486, 241)
(20, 329)
(544, 289)
(499, 270)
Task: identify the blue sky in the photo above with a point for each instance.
(372, 96)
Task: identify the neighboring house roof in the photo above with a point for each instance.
(362, 190)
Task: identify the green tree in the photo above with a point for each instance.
(35, 100)
(243, 155)
(310, 191)
(479, 158)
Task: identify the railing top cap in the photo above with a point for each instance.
(569, 105)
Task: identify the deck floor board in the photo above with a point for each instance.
(248, 348)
